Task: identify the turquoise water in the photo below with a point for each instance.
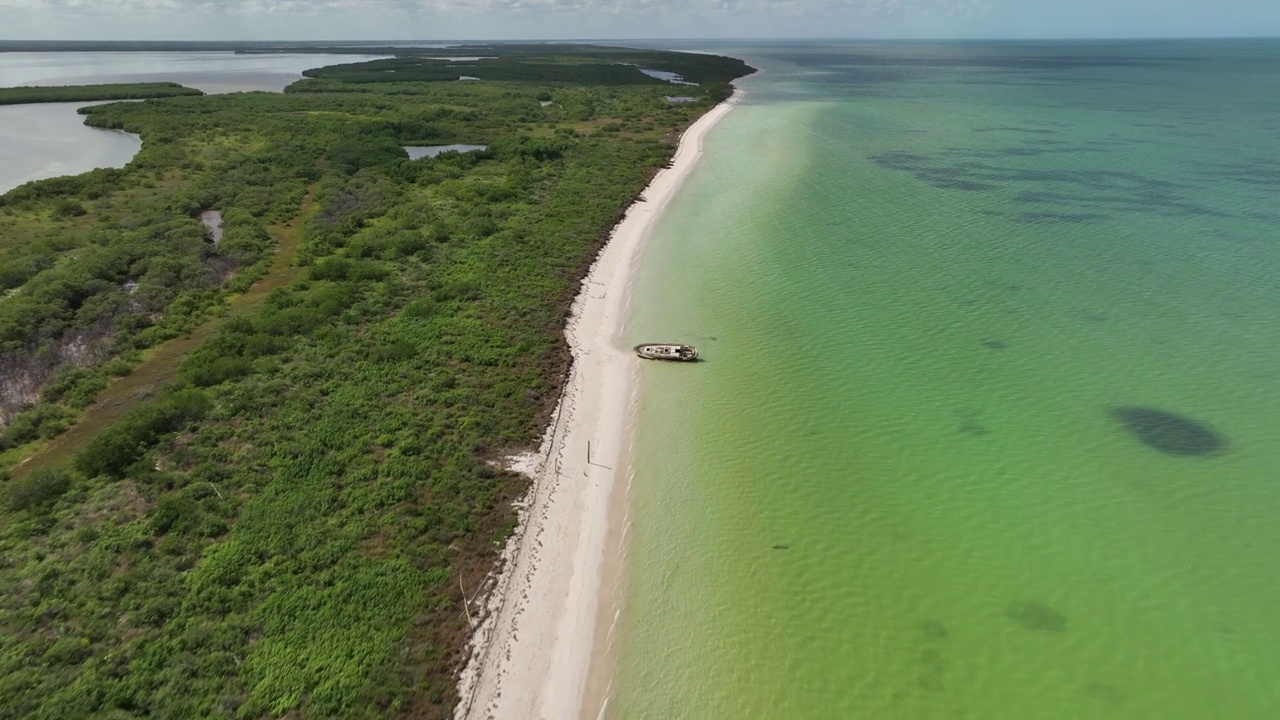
(925, 279)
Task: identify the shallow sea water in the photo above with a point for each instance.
(925, 278)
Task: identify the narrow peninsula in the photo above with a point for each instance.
(266, 476)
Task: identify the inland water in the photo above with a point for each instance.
(50, 139)
(988, 425)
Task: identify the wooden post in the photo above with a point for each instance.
(589, 462)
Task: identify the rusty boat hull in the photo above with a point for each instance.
(667, 351)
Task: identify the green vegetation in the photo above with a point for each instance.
(85, 93)
(280, 526)
(539, 63)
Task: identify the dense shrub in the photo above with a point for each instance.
(35, 491)
(115, 449)
(41, 422)
(244, 238)
(67, 208)
(204, 369)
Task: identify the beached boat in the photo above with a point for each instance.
(680, 353)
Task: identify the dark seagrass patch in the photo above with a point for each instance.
(1168, 432)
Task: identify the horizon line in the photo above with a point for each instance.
(582, 40)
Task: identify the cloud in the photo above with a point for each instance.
(549, 19)
(284, 19)
(494, 7)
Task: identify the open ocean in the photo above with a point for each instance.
(989, 423)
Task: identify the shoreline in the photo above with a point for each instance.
(549, 612)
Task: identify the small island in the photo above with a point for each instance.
(89, 93)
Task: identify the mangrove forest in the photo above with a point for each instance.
(249, 478)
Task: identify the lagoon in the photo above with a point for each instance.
(212, 72)
(50, 139)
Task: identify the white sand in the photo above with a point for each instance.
(537, 638)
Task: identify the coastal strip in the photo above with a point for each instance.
(532, 653)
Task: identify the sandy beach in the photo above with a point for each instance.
(539, 639)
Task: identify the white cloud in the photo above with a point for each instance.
(672, 19)
(454, 19)
(488, 7)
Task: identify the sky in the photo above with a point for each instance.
(629, 19)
